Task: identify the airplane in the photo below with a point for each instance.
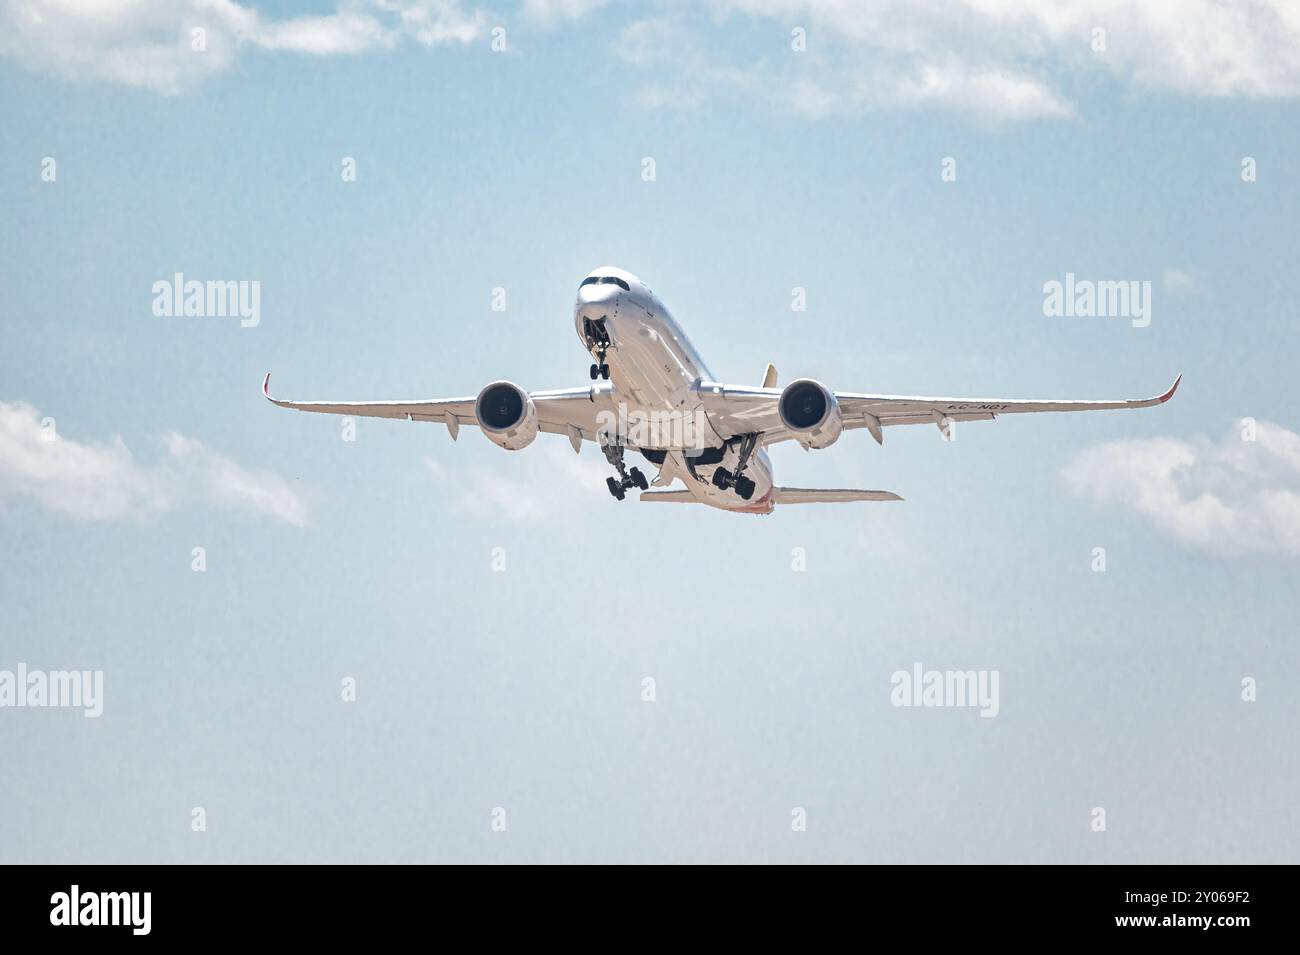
(652, 394)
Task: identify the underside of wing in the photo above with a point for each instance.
(898, 409)
(740, 409)
(567, 411)
(420, 410)
(875, 412)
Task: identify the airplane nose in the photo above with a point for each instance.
(596, 301)
(591, 294)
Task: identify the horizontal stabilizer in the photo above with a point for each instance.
(808, 495)
(670, 497)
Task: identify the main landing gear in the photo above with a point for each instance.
(626, 478)
(723, 479)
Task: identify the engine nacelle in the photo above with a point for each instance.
(810, 412)
(506, 415)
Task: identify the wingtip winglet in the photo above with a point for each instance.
(1172, 388)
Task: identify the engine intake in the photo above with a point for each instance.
(808, 410)
(506, 415)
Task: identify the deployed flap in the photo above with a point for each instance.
(806, 495)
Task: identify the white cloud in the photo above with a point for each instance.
(340, 33)
(1236, 496)
(435, 22)
(150, 43)
(999, 91)
(555, 482)
(104, 482)
(552, 11)
(994, 59)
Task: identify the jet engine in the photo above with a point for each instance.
(506, 415)
(810, 412)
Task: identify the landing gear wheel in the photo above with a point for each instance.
(618, 485)
(744, 487)
(721, 478)
(604, 371)
(595, 371)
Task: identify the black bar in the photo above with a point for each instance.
(334, 903)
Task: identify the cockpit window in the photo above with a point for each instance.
(605, 280)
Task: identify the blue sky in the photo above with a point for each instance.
(522, 688)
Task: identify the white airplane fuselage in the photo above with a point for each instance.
(654, 370)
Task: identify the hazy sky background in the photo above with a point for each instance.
(522, 169)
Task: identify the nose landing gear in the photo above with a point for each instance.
(598, 339)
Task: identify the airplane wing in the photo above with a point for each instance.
(566, 411)
(741, 409)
